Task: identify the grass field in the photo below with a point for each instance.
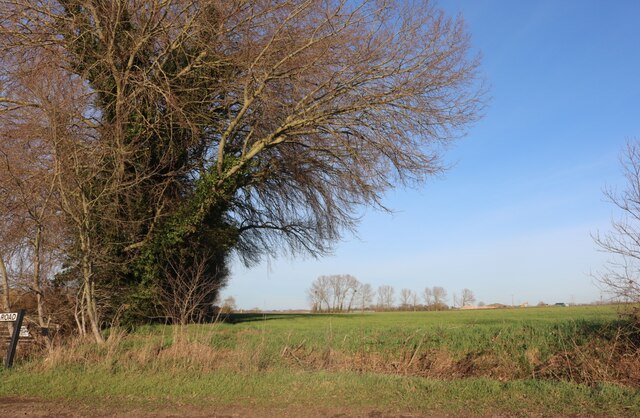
(534, 361)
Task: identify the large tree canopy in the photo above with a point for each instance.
(183, 130)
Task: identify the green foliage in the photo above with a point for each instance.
(198, 228)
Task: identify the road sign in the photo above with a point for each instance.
(24, 332)
(8, 316)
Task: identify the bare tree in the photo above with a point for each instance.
(405, 294)
(365, 296)
(385, 297)
(229, 304)
(439, 297)
(337, 292)
(621, 277)
(466, 297)
(51, 156)
(8, 239)
(427, 295)
(343, 289)
(413, 300)
(7, 220)
(30, 231)
(353, 286)
(319, 294)
(188, 295)
(408, 299)
(31, 187)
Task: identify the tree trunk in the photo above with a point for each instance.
(36, 275)
(89, 288)
(6, 302)
(91, 308)
(351, 301)
(78, 314)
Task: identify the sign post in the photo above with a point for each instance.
(16, 318)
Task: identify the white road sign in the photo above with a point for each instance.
(24, 332)
(8, 316)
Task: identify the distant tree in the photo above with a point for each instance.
(427, 295)
(481, 303)
(466, 297)
(406, 298)
(385, 297)
(352, 285)
(338, 292)
(439, 297)
(319, 294)
(364, 296)
(621, 276)
(335, 293)
(413, 300)
(229, 304)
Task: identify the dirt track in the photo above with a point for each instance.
(11, 407)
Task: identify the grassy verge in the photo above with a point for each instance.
(279, 389)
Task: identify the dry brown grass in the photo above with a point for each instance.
(613, 360)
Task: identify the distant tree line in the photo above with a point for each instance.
(345, 293)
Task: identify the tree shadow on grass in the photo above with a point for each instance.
(239, 318)
(622, 327)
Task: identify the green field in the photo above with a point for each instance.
(545, 361)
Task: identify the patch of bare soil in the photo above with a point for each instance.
(11, 407)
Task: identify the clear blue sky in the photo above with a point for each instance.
(513, 216)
